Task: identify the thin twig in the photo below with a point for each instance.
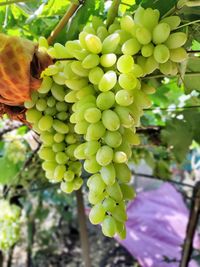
(187, 24)
(71, 10)
(113, 12)
(169, 76)
(174, 109)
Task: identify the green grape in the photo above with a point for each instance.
(127, 24)
(107, 81)
(88, 90)
(142, 99)
(58, 137)
(68, 72)
(91, 147)
(131, 47)
(147, 50)
(60, 127)
(109, 204)
(148, 89)
(59, 78)
(110, 43)
(45, 123)
(61, 51)
(62, 116)
(89, 29)
(108, 60)
(45, 86)
(96, 184)
(47, 153)
(85, 100)
(93, 43)
(113, 139)
(70, 97)
(178, 55)
(47, 138)
(43, 42)
(76, 84)
(119, 213)
(70, 151)
(161, 53)
(123, 172)
(79, 152)
(113, 27)
(51, 70)
(49, 165)
(95, 198)
(81, 127)
(176, 40)
(172, 21)
(50, 111)
(108, 174)
(97, 214)
(127, 81)
(78, 182)
(90, 61)
(110, 120)
(33, 115)
(114, 192)
(95, 75)
(104, 155)
(105, 100)
(67, 187)
(95, 131)
(61, 106)
(91, 165)
(109, 226)
(96, 22)
(58, 92)
(125, 117)
(143, 35)
(102, 32)
(137, 70)
(161, 33)
(127, 192)
(120, 157)
(61, 158)
(166, 68)
(124, 98)
(125, 63)
(51, 102)
(59, 173)
(57, 147)
(29, 104)
(131, 137)
(41, 104)
(121, 229)
(92, 115)
(69, 176)
(150, 65)
(78, 69)
(76, 167)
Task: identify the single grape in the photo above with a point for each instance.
(104, 155)
(110, 120)
(161, 53)
(108, 174)
(97, 214)
(161, 33)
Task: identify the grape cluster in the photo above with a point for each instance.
(15, 151)
(9, 224)
(98, 79)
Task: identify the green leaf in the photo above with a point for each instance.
(162, 6)
(8, 171)
(191, 82)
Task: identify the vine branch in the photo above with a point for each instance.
(113, 12)
(71, 10)
(13, 2)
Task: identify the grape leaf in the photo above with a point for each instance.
(162, 6)
(9, 172)
(191, 82)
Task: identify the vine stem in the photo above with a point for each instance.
(83, 229)
(187, 24)
(71, 10)
(13, 2)
(162, 75)
(113, 12)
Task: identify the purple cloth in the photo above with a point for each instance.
(156, 227)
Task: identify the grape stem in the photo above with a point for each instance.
(187, 24)
(113, 12)
(70, 12)
(163, 75)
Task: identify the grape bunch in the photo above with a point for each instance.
(9, 224)
(15, 150)
(90, 103)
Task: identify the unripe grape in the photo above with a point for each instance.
(93, 43)
(110, 43)
(131, 47)
(147, 50)
(61, 106)
(161, 53)
(90, 61)
(178, 55)
(97, 214)
(125, 63)
(143, 35)
(95, 131)
(95, 75)
(176, 40)
(108, 60)
(108, 174)
(51, 101)
(161, 33)
(113, 139)
(108, 81)
(172, 21)
(45, 123)
(124, 98)
(110, 120)
(109, 226)
(105, 100)
(104, 155)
